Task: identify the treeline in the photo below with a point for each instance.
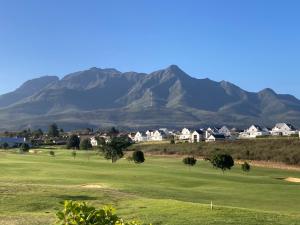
(277, 150)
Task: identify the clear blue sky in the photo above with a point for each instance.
(252, 43)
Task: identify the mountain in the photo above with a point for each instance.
(165, 98)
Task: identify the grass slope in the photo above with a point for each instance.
(162, 190)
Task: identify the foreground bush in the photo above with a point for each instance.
(79, 213)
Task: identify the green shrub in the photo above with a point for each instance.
(138, 156)
(80, 213)
(52, 153)
(222, 161)
(189, 161)
(246, 167)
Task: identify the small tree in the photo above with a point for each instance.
(73, 142)
(189, 161)
(52, 153)
(24, 147)
(74, 153)
(85, 144)
(53, 130)
(138, 156)
(114, 149)
(222, 161)
(246, 167)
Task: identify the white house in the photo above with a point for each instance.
(254, 131)
(225, 131)
(215, 137)
(284, 129)
(185, 135)
(94, 141)
(197, 136)
(209, 131)
(139, 137)
(155, 135)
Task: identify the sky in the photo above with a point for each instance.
(254, 44)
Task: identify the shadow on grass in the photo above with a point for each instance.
(75, 197)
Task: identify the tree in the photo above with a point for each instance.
(74, 154)
(85, 144)
(53, 130)
(114, 149)
(189, 161)
(246, 167)
(222, 161)
(52, 153)
(73, 142)
(138, 156)
(24, 147)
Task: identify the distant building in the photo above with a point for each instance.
(284, 129)
(185, 135)
(216, 137)
(254, 131)
(140, 137)
(12, 142)
(225, 131)
(197, 136)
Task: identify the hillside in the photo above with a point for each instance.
(168, 97)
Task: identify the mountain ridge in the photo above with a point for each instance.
(103, 97)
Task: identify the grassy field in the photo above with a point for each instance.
(161, 191)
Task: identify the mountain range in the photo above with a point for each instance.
(164, 98)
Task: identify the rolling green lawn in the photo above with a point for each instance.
(161, 191)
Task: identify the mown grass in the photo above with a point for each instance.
(161, 191)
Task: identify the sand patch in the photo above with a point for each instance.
(94, 186)
(292, 179)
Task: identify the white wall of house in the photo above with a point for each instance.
(185, 134)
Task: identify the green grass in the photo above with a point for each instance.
(161, 191)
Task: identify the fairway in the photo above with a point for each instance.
(161, 191)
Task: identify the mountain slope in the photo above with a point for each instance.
(27, 89)
(168, 97)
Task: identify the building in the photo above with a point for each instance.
(197, 136)
(12, 142)
(254, 131)
(225, 131)
(215, 137)
(284, 129)
(185, 135)
(140, 137)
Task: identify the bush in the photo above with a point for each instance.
(189, 161)
(52, 153)
(138, 156)
(24, 147)
(81, 213)
(85, 144)
(222, 161)
(246, 167)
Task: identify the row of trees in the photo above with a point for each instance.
(219, 161)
